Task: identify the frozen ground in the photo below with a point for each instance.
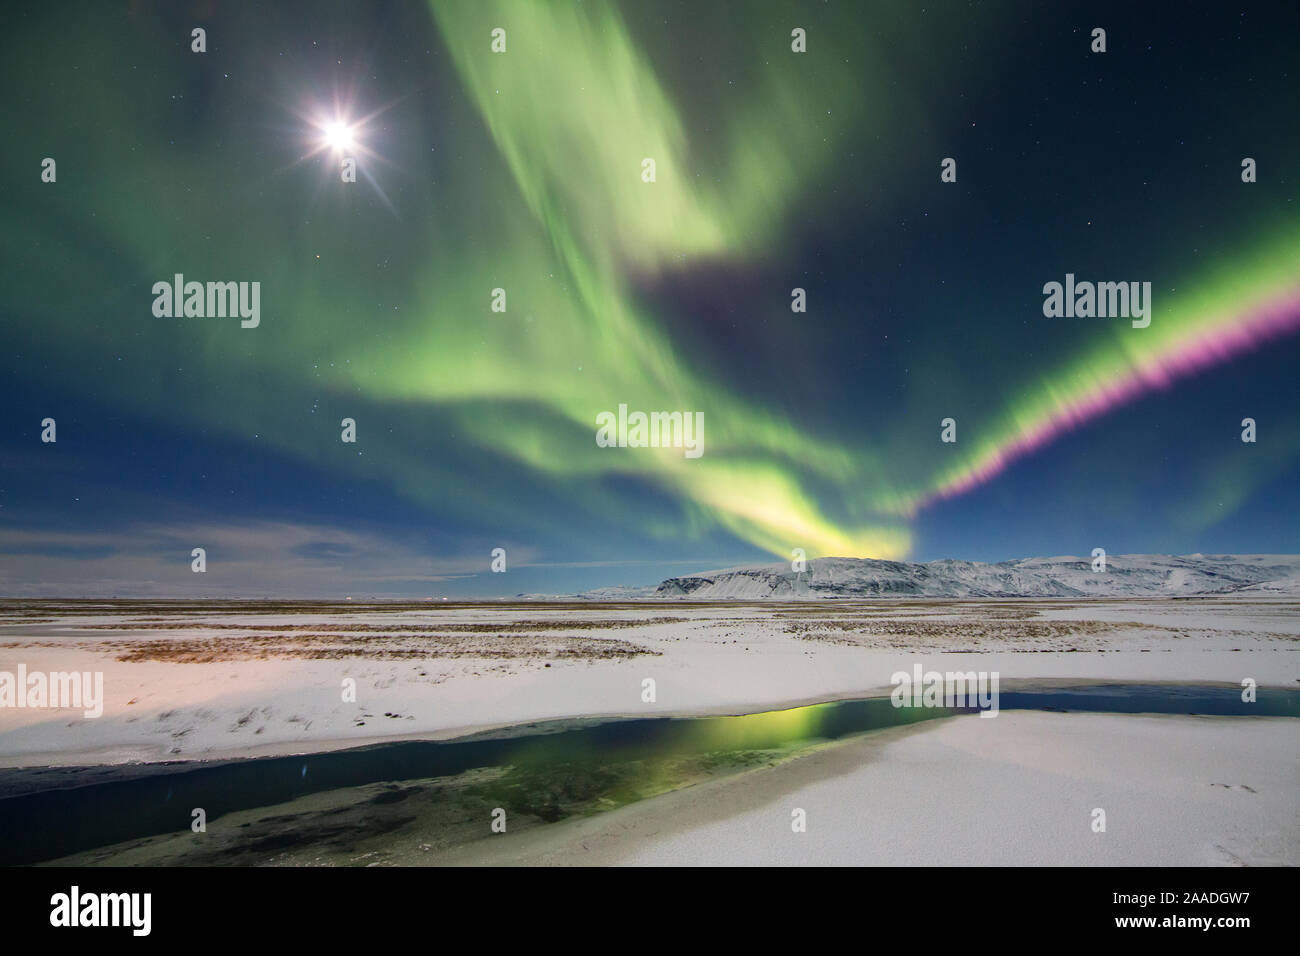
(194, 680)
(1020, 790)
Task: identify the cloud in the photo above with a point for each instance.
(243, 559)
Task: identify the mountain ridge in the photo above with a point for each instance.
(1067, 576)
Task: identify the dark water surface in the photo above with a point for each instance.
(54, 813)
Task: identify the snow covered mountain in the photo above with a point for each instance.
(1144, 575)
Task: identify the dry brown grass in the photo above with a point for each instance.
(204, 650)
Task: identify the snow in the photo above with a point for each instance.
(1128, 575)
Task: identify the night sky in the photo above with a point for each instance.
(523, 171)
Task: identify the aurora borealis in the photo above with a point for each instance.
(522, 171)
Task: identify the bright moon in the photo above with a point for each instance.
(338, 135)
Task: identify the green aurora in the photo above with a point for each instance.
(527, 177)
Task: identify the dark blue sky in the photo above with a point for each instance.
(777, 169)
